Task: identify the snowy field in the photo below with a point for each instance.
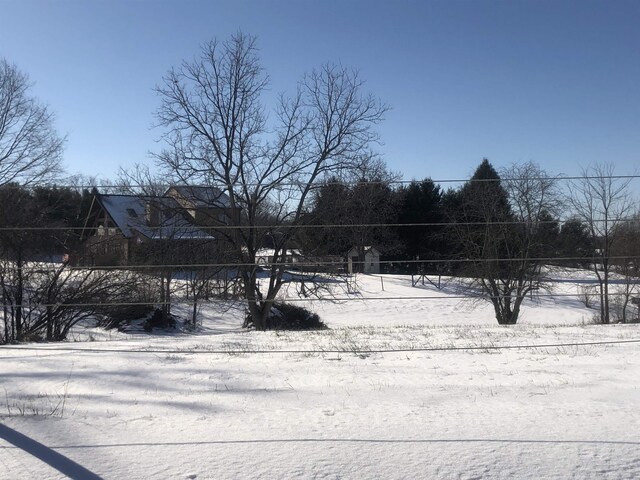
(447, 402)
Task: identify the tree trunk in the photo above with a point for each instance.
(5, 311)
(49, 322)
(626, 296)
(252, 295)
(165, 296)
(601, 291)
(505, 314)
(194, 312)
(19, 296)
(259, 308)
(606, 318)
(59, 333)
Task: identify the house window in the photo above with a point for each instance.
(132, 213)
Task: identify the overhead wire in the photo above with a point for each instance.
(294, 266)
(322, 225)
(320, 184)
(347, 349)
(312, 298)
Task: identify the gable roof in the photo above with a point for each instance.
(129, 213)
(366, 249)
(203, 196)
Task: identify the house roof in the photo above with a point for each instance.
(203, 196)
(129, 213)
(366, 249)
(270, 252)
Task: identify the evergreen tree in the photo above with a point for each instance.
(354, 215)
(574, 244)
(421, 203)
(502, 230)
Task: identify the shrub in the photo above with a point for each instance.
(284, 316)
(157, 321)
(589, 295)
(134, 301)
(118, 315)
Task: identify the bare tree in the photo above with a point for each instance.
(602, 201)
(43, 296)
(161, 253)
(61, 297)
(30, 148)
(626, 262)
(175, 233)
(501, 229)
(218, 133)
(17, 243)
(140, 180)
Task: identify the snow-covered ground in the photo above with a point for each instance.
(337, 403)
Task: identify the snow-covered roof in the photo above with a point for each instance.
(129, 213)
(203, 196)
(270, 252)
(366, 250)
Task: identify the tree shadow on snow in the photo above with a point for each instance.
(64, 465)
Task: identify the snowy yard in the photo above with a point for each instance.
(226, 403)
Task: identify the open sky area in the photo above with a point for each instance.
(556, 82)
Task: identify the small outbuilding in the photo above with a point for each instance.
(363, 260)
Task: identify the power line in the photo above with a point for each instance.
(331, 299)
(320, 184)
(348, 349)
(284, 226)
(292, 266)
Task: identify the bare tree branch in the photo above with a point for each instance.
(603, 202)
(30, 148)
(217, 133)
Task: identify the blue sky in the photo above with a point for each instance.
(555, 82)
